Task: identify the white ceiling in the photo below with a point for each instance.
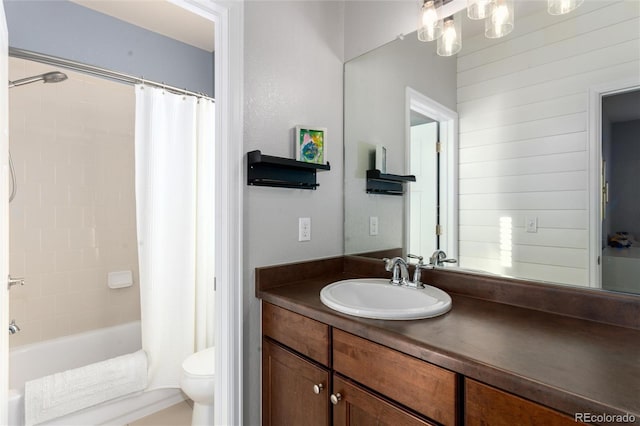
(160, 16)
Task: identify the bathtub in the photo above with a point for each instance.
(621, 269)
(31, 361)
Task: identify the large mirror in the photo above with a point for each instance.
(540, 135)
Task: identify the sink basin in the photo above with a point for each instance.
(376, 298)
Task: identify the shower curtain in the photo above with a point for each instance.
(174, 174)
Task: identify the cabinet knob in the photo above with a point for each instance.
(318, 388)
(335, 398)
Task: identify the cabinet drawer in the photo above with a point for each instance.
(302, 334)
(485, 405)
(421, 386)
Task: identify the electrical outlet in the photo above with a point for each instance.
(373, 225)
(531, 224)
(304, 229)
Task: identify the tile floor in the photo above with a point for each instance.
(176, 415)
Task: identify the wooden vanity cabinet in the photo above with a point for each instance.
(306, 362)
(296, 359)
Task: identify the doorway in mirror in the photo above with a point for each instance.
(431, 213)
(620, 211)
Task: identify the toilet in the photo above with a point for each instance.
(197, 383)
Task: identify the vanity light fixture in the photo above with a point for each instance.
(429, 22)
(480, 9)
(500, 23)
(450, 42)
(561, 7)
(497, 15)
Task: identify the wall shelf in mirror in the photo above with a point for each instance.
(279, 172)
(387, 184)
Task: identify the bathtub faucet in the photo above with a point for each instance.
(13, 327)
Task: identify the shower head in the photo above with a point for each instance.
(49, 77)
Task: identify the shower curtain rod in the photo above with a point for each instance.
(98, 72)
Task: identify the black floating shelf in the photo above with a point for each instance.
(387, 184)
(267, 170)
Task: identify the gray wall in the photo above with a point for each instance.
(375, 102)
(67, 30)
(293, 62)
(370, 24)
(624, 196)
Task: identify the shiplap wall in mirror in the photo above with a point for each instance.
(523, 107)
(524, 115)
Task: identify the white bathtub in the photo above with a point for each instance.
(29, 362)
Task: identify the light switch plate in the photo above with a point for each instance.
(531, 224)
(373, 225)
(304, 229)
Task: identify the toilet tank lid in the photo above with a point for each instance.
(200, 363)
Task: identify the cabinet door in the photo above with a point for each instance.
(289, 386)
(354, 406)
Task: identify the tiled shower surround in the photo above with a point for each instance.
(73, 218)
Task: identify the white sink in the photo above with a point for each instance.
(376, 298)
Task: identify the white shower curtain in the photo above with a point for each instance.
(174, 161)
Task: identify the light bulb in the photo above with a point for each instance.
(501, 21)
(560, 7)
(429, 23)
(451, 41)
(480, 9)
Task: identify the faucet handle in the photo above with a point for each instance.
(415, 256)
(13, 327)
(388, 264)
(14, 281)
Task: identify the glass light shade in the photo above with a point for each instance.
(560, 7)
(480, 9)
(451, 41)
(500, 23)
(429, 22)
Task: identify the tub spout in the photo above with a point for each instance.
(13, 327)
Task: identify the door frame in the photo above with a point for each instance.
(448, 178)
(4, 222)
(594, 184)
(228, 17)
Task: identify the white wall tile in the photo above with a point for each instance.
(73, 219)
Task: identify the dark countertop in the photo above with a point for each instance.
(570, 364)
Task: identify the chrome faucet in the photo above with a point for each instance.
(13, 327)
(399, 269)
(417, 273)
(439, 258)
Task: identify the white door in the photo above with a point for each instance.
(423, 193)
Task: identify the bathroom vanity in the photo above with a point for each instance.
(484, 362)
